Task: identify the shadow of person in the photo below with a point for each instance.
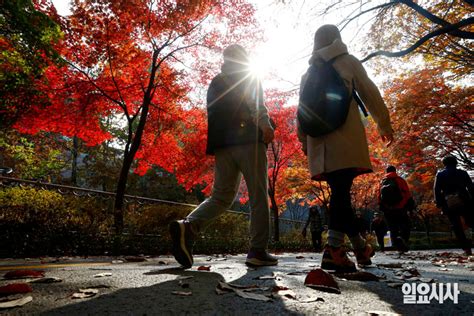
(166, 296)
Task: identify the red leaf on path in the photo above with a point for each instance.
(204, 268)
(18, 274)
(15, 288)
(321, 280)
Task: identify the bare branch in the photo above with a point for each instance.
(421, 41)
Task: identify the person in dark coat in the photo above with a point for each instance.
(454, 192)
(315, 223)
(380, 229)
(239, 129)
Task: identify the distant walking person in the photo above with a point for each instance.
(454, 192)
(238, 130)
(337, 153)
(315, 223)
(396, 203)
(380, 229)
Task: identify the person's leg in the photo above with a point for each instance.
(226, 184)
(380, 241)
(341, 215)
(405, 226)
(458, 230)
(392, 222)
(341, 221)
(316, 239)
(252, 161)
(183, 232)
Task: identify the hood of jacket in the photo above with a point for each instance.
(328, 52)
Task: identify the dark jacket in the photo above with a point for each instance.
(230, 99)
(450, 181)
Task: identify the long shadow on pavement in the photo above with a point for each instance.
(159, 299)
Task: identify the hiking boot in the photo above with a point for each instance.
(401, 245)
(183, 241)
(363, 255)
(335, 258)
(260, 258)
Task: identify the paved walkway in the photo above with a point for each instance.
(157, 286)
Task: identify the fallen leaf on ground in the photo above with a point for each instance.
(277, 288)
(252, 296)
(46, 280)
(162, 262)
(14, 303)
(299, 257)
(321, 280)
(184, 277)
(20, 274)
(382, 313)
(265, 277)
(395, 285)
(286, 293)
(101, 275)
(183, 284)
(390, 265)
(204, 268)
(117, 261)
(85, 293)
(445, 269)
(180, 293)
(135, 259)
(15, 288)
(311, 300)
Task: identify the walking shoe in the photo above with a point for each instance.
(363, 255)
(183, 241)
(335, 258)
(260, 258)
(401, 245)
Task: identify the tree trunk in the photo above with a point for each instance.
(74, 150)
(276, 222)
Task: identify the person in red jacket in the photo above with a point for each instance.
(396, 202)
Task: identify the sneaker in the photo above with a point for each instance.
(183, 241)
(260, 258)
(363, 255)
(335, 258)
(401, 245)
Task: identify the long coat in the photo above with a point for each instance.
(347, 146)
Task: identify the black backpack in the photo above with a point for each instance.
(390, 193)
(324, 101)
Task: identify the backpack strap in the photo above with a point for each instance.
(355, 94)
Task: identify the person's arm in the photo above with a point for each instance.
(438, 194)
(469, 185)
(259, 112)
(301, 135)
(372, 98)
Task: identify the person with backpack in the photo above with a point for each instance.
(333, 137)
(396, 202)
(315, 223)
(454, 192)
(239, 129)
